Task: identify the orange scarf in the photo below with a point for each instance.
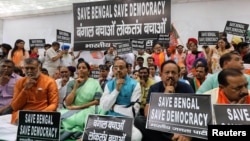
(17, 57)
(159, 58)
(222, 99)
(197, 84)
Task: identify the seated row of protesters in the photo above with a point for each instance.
(121, 96)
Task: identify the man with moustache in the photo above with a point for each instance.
(53, 58)
(121, 95)
(35, 91)
(62, 83)
(169, 73)
(7, 82)
(200, 76)
(145, 83)
(158, 55)
(228, 60)
(232, 88)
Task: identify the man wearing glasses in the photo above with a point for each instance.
(121, 95)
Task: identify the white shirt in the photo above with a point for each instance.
(48, 63)
(62, 91)
(108, 99)
(67, 60)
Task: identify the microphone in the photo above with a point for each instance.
(98, 96)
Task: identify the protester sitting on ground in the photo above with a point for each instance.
(121, 95)
(103, 76)
(8, 79)
(191, 57)
(232, 88)
(35, 91)
(145, 83)
(169, 84)
(152, 73)
(19, 71)
(151, 61)
(5, 50)
(83, 95)
(135, 74)
(62, 85)
(183, 73)
(45, 71)
(228, 60)
(33, 52)
(158, 54)
(199, 78)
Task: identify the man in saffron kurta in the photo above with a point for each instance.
(232, 88)
(36, 91)
(158, 55)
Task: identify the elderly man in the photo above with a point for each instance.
(35, 91)
(121, 95)
(62, 84)
(7, 82)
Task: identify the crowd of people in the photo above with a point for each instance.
(60, 81)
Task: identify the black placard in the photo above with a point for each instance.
(38, 126)
(95, 74)
(123, 48)
(137, 44)
(99, 23)
(187, 114)
(63, 36)
(235, 28)
(230, 114)
(37, 43)
(164, 39)
(208, 37)
(247, 37)
(108, 128)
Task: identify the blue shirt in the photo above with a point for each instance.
(211, 82)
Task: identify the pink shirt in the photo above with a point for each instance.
(190, 60)
(6, 91)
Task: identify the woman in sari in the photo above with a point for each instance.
(82, 98)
